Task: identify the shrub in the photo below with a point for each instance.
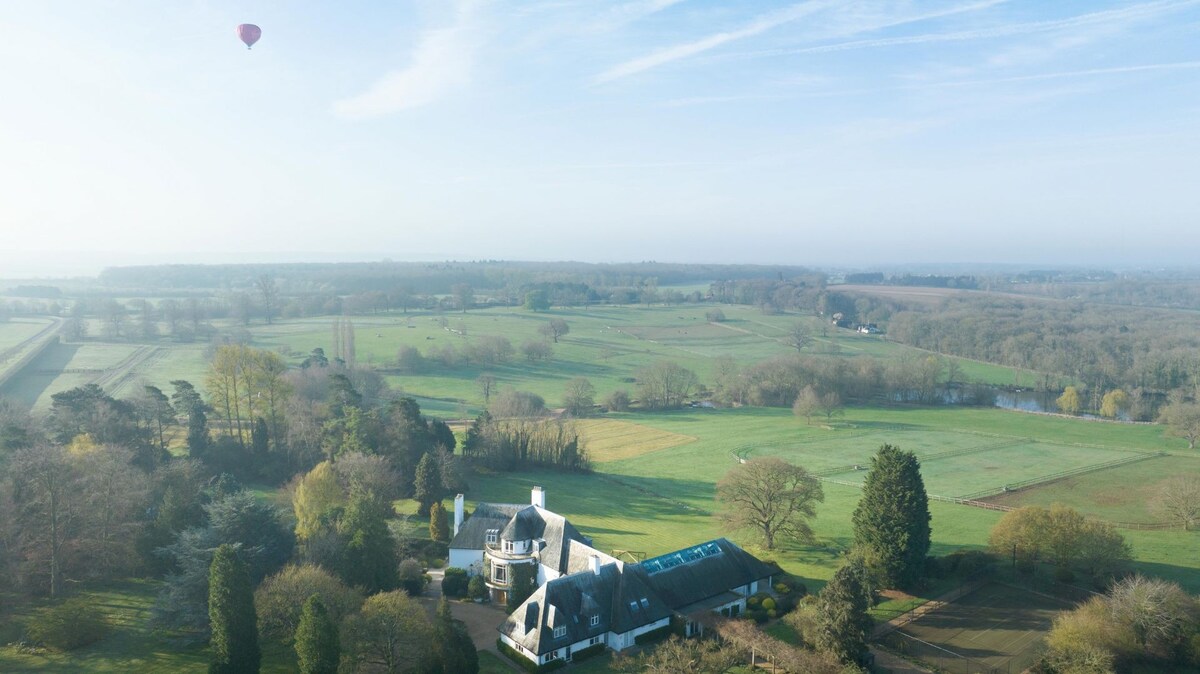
(782, 588)
(413, 577)
(280, 599)
(455, 582)
(587, 653)
(1064, 575)
(768, 603)
(752, 601)
(527, 664)
(758, 616)
(75, 623)
(773, 614)
(1026, 567)
(653, 636)
(477, 588)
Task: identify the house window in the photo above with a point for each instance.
(633, 606)
(491, 536)
(499, 573)
(508, 546)
(552, 655)
(645, 603)
(596, 640)
(595, 620)
(560, 632)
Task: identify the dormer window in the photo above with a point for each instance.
(633, 606)
(645, 603)
(508, 546)
(560, 632)
(492, 534)
(594, 621)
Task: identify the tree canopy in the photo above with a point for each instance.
(771, 497)
(891, 522)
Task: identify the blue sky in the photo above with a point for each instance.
(850, 133)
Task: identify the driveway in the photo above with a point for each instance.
(481, 619)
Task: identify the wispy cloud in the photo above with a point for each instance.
(1113, 16)
(441, 63)
(760, 25)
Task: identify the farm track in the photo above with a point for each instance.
(14, 350)
(115, 378)
(39, 342)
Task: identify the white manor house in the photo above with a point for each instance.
(585, 597)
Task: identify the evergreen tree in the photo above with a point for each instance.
(439, 523)
(259, 440)
(197, 435)
(427, 484)
(317, 646)
(842, 607)
(234, 640)
(370, 559)
(891, 522)
(452, 644)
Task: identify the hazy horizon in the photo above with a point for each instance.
(837, 134)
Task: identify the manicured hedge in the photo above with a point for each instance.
(525, 663)
(653, 636)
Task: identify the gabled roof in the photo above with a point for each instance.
(473, 533)
(522, 523)
(621, 601)
(702, 571)
(628, 596)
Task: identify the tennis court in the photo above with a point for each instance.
(997, 628)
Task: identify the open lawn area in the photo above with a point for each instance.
(1123, 493)
(658, 501)
(132, 647)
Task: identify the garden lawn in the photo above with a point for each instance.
(134, 645)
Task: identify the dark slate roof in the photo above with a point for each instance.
(558, 534)
(700, 579)
(579, 557)
(522, 523)
(628, 596)
(622, 601)
(473, 533)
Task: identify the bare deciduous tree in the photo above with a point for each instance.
(1179, 499)
(771, 497)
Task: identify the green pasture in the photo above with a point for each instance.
(119, 367)
(958, 476)
(606, 344)
(16, 330)
(1123, 493)
(680, 481)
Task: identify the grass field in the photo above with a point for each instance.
(958, 476)
(606, 344)
(133, 646)
(1124, 493)
(613, 440)
(996, 626)
(662, 500)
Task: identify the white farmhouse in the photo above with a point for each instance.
(585, 597)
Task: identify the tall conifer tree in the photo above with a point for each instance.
(317, 646)
(891, 522)
(234, 640)
(843, 622)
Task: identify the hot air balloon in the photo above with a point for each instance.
(249, 33)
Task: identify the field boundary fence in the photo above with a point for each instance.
(1062, 474)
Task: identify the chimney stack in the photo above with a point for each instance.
(458, 513)
(594, 564)
(538, 497)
